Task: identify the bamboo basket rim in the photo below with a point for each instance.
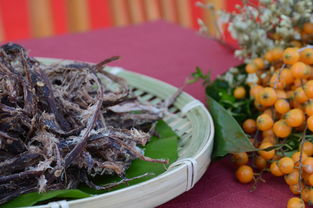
(207, 146)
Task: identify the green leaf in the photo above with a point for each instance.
(164, 130)
(229, 137)
(156, 148)
(33, 198)
(164, 147)
(289, 154)
(199, 75)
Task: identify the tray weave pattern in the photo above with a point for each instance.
(195, 128)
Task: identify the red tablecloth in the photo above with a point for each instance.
(169, 53)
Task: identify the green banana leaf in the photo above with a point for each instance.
(164, 146)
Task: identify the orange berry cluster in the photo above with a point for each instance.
(284, 98)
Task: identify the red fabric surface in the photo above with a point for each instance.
(160, 50)
(170, 53)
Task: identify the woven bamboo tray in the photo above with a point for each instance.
(191, 122)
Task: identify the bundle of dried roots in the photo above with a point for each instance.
(62, 124)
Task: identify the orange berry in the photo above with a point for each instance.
(310, 123)
(239, 92)
(308, 108)
(255, 90)
(267, 97)
(294, 117)
(295, 202)
(244, 174)
(269, 132)
(270, 139)
(290, 94)
(268, 56)
(308, 148)
(300, 70)
(286, 76)
(310, 197)
(259, 63)
(286, 165)
(292, 178)
(300, 96)
(275, 170)
(297, 83)
(310, 180)
(260, 162)
(269, 112)
(308, 28)
(281, 129)
(275, 82)
(307, 165)
(264, 122)
(249, 126)
(258, 105)
(240, 158)
(295, 189)
(277, 54)
(291, 55)
(296, 157)
(281, 94)
(305, 194)
(306, 56)
(308, 89)
(267, 155)
(251, 68)
(305, 177)
(282, 106)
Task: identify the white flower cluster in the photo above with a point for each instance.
(234, 78)
(254, 26)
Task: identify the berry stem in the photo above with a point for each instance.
(255, 141)
(300, 158)
(278, 77)
(307, 46)
(257, 179)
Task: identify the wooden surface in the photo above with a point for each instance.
(152, 9)
(184, 13)
(78, 16)
(136, 11)
(119, 12)
(168, 10)
(209, 17)
(41, 18)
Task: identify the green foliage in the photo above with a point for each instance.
(198, 75)
(229, 136)
(163, 147)
(32, 198)
(227, 111)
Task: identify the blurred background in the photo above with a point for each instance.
(23, 19)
